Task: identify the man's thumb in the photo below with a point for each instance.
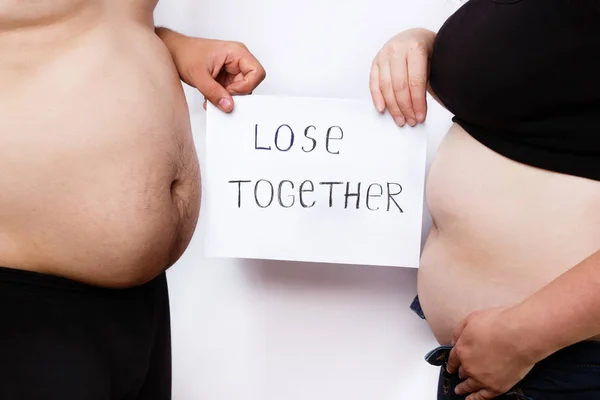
(213, 91)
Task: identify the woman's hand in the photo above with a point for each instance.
(492, 354)
(218, 69)
(399, 76)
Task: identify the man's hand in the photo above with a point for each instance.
(491, 354)
(218, 69)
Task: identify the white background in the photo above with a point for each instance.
(251, 330)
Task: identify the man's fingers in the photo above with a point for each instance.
(483, 394)
(246, 85)
(212, 90)
(386, 86)
(468, 386)
(417, 82)
(251, 74)
(453, 362)
(376, 95)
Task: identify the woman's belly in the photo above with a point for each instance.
(100, 178)
(501, 231)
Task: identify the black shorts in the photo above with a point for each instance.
(64, 340)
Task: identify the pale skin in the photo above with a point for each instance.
(544, 317)
(398, 80)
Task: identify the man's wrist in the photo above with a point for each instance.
(168, 36)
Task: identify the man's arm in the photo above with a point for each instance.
(218, 69)
(167, 35)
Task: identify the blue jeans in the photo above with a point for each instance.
(572, 373)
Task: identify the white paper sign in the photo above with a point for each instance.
(313, 179)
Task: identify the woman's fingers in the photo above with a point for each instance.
(417, 81)
(387, 89)
(374, 88)
(468, 386)
(398, 82)
(462, 374)
(401, 88)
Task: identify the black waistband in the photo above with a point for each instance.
(12, 280)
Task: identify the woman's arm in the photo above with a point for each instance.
(564, 312)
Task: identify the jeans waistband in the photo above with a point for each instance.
(582, 353)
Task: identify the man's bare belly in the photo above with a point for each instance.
(501, 231)
(99, 178)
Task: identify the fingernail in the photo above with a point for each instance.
(399, 121)
(411, 122)
(379, 106)
(225, 103)
(420, 117)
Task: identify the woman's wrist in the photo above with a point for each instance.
(532, 332)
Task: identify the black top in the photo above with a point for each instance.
(523, 78)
